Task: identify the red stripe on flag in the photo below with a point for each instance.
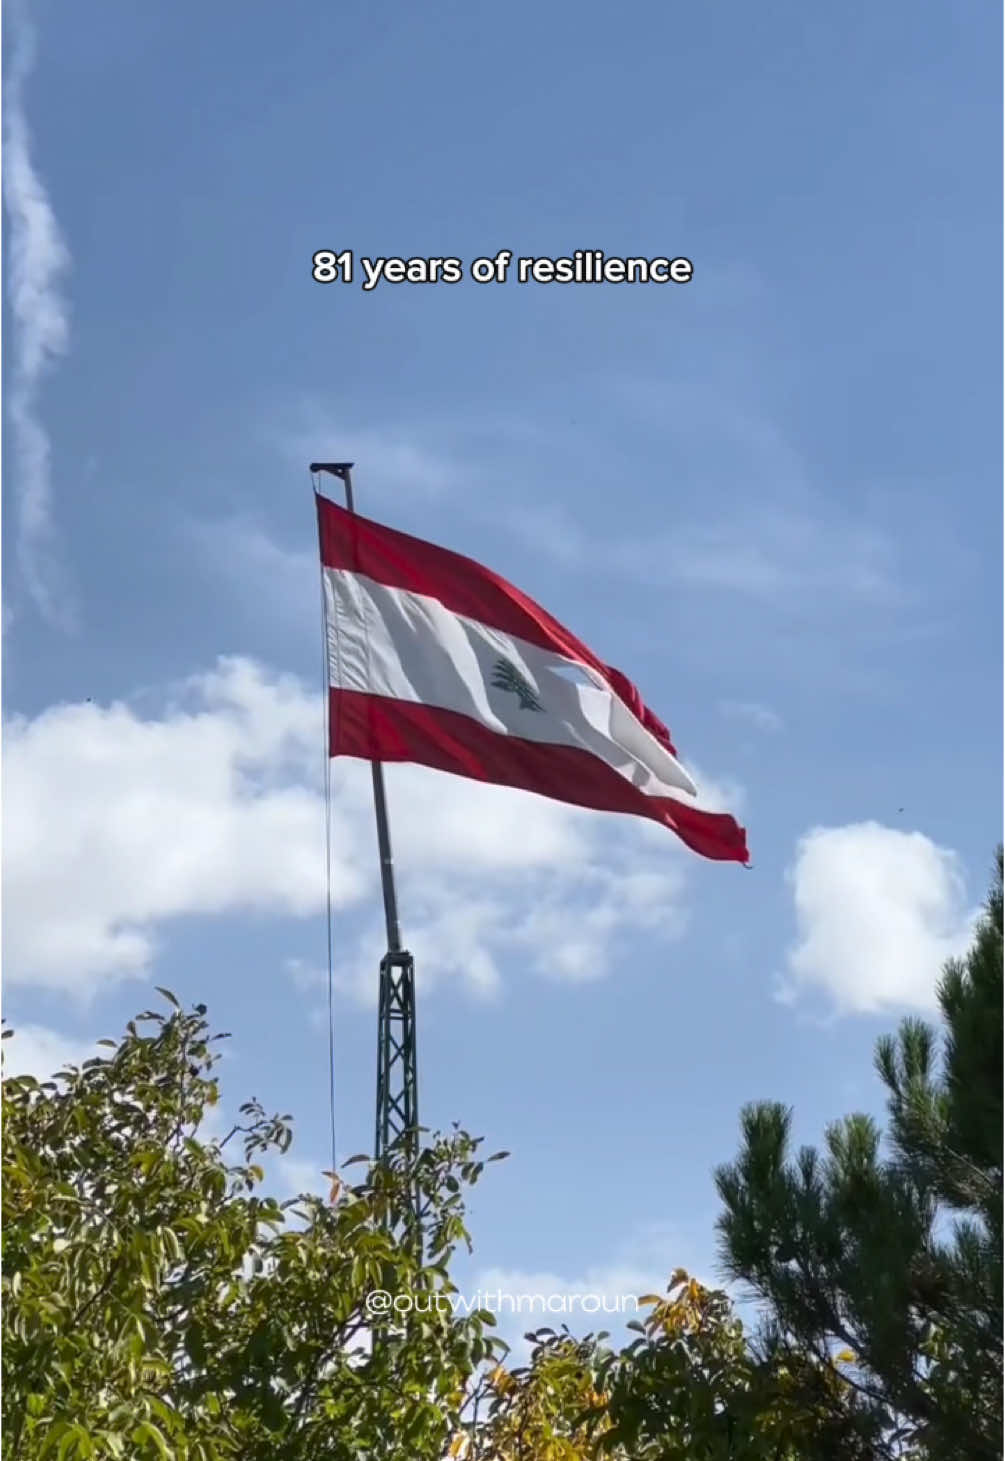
(463, 586)
(374, 728)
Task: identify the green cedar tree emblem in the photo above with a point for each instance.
(506, 676)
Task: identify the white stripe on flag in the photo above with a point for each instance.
(407, 646)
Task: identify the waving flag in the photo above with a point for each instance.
(434, 659)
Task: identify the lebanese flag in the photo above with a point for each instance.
(434, 659)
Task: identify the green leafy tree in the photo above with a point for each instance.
(895, 1252)
(548, 1410)
(157, 1305)
(689, 1388)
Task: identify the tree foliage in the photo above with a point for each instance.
(689, 1388)
(160, 1305)
(157, 1305)
(895, 1252)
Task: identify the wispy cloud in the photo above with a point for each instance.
(777, 554)
(390, 458)
(736, 510)
(241, 549)
(39, 259)
(761, 717)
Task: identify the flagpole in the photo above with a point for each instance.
(397, 1116)
(343, 470)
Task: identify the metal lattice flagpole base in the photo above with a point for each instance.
(397, 1074)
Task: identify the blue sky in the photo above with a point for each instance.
(770, 496)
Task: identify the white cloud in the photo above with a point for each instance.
(485, 873)
(116, 824)
(878, 912)
(38, 1051)
(38, 259)
(113, 824)
(574, 938)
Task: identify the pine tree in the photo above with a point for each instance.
(894, 1252)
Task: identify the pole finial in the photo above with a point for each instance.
(337, 469)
